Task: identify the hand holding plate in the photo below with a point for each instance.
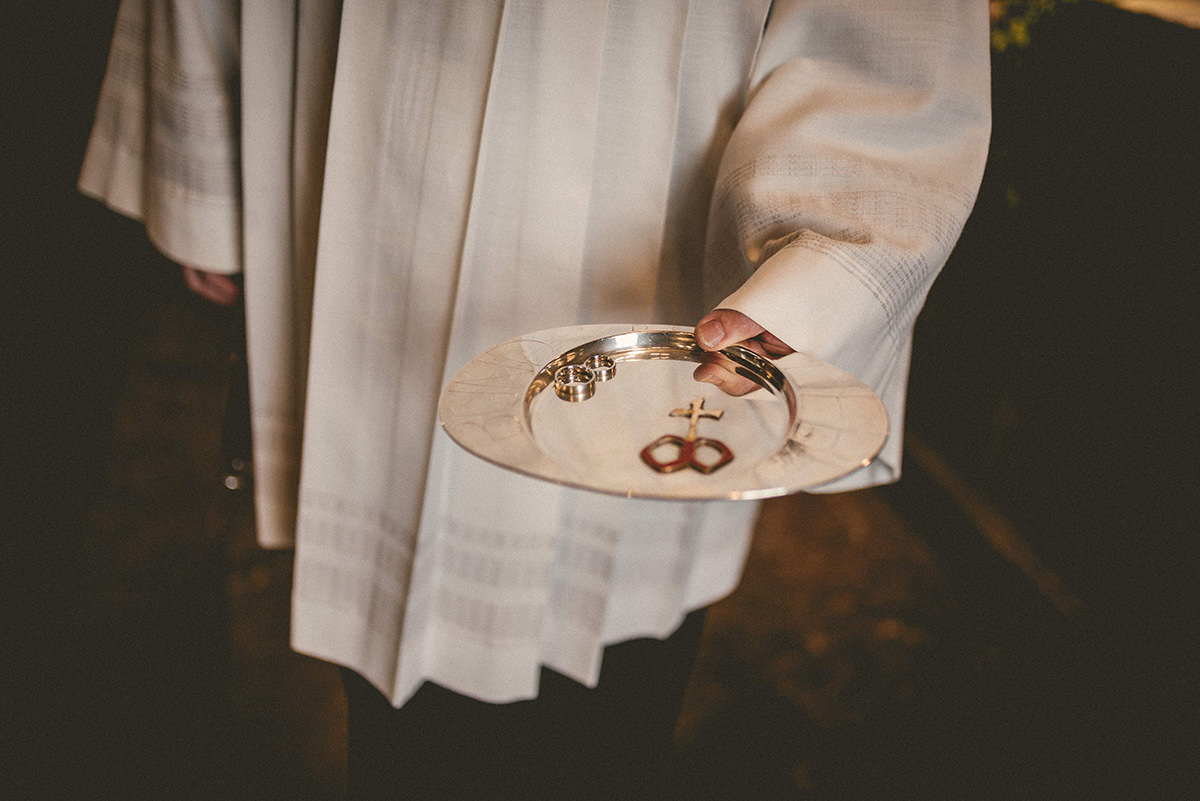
(722, 328)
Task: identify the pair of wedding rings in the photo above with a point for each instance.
(577, 382)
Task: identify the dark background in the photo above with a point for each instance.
(1055, 373)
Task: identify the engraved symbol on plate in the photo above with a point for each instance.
(689, 446)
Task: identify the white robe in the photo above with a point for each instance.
(494, 168)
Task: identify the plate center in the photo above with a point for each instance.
(600, 439)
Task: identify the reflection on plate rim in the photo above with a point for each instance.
(509, 441)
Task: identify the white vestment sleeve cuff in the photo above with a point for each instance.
(802, 295)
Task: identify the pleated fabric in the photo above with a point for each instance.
(420, 181)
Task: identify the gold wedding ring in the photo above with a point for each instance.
(602, 367)
(574, 383)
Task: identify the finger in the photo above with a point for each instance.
(220, 289)
(725, 380)
(215, 287)
(724, 327)
(773, 346)
(721, 328)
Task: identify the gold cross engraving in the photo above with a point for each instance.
(694, 412)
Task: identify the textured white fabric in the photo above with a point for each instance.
(495, 168)
(163, 147)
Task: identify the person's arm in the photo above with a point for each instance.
(846, 183)
(164, 148)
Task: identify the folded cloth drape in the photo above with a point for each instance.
(407, 184)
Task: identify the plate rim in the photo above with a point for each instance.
(507, 422)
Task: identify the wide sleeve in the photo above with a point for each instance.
(164, 145)
(847, 181)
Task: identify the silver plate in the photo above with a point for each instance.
(806, 423)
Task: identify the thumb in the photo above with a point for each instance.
(723, 327)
